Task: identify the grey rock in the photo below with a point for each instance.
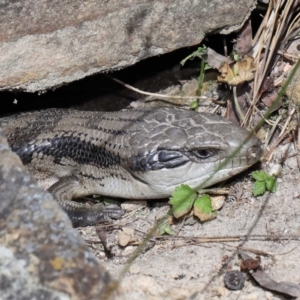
(41, 255)
(46, 43)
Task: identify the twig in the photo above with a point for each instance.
(288, 157)
(214, 191)
(282, 134)
(272, 130)
(279, 96)
(287, 121)
(261, 252)
(298, 144)
(271, 152)
(232, 238)
(153, 94)
(216, 108)
(270, 36)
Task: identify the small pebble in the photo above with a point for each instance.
(134, 269)
(234, 280)
(128, 230)
(269, 295)
(123, 239)
(253, 296)
(128, 250)
(276, 170)
(221, 291)
(261, 134)
(133, 205)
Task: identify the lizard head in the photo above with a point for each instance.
(184, 147)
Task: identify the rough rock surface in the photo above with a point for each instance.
(47, 43)
(41, 255)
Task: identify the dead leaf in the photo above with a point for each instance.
(244, 39)
(267, 85)
(217, 202)
(202, 215)
(287, 288)
(226, 73)
(269, 99)
(239, 73)
(250, 264)
(215, 60)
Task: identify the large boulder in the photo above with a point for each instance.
(47, 43)
(41, 255)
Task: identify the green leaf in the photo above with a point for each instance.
(203, 208)
(260, 175)
(109, 201)
(200, 52)
(259, 188)
(165, 228)
(271, 184)
(263, 182)
(194, 104)
(236, 57)
(207, 67)
(204, 204)
(182, 200)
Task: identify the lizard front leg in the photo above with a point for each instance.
(80, 214)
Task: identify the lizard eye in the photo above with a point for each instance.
(203, 153)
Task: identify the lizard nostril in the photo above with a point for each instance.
(255, 152)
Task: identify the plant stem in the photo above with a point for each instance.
(237, 106)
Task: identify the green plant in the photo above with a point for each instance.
(184, 198)
(200, 53)
(263, 182)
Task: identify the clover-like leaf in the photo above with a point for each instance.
(264, 182)
(203, 208)
(259, 188)
(182, 200)
(259, 175)
(271, 184)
